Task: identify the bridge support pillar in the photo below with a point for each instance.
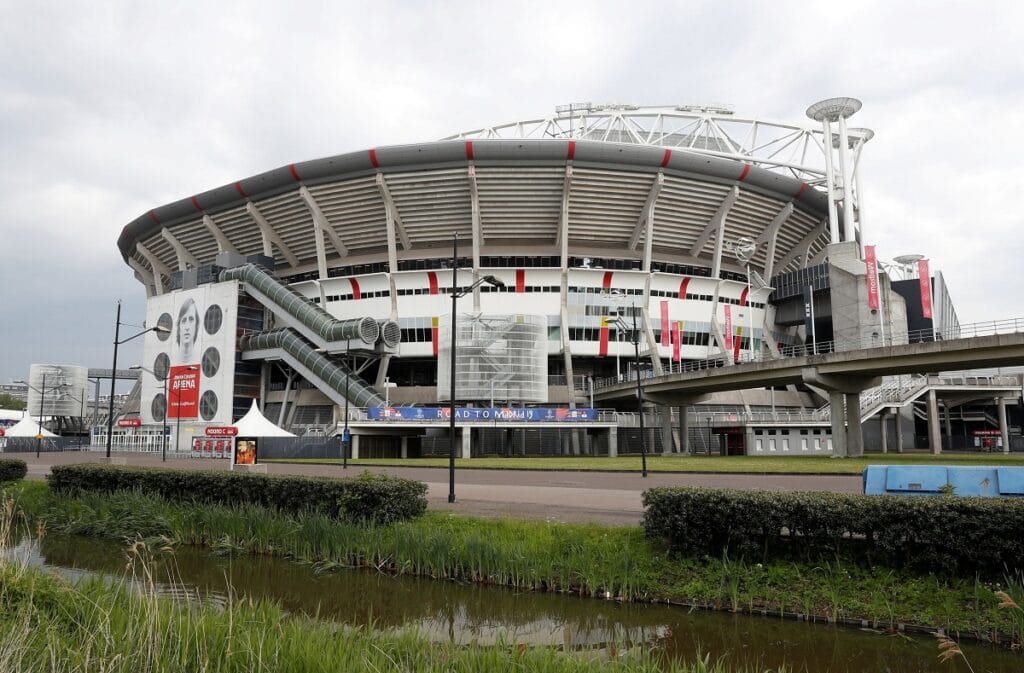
(405, 447)
(899, 431)
(854, 432)
(1004, 429)
(838, 413)
(883, 424)
(354, 449)
(613, 442)
(934, 429)
(667, 440)
(467, 441)
(684, 429)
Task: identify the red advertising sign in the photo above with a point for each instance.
(925, 279)
(221, 431)
(872, 277)
(2, 432)
(664, 323)
(129, 422)
(728, 327)
(184, 392)
(987, 433)
(677, 340)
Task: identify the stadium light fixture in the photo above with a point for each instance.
(113, 369)
(458, 292)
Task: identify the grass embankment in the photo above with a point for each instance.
(724, 464)
(49, 625)
(580, 559)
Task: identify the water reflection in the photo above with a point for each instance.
(445, 611)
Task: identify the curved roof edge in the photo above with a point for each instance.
(454, 152)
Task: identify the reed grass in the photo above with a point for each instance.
(585, 560)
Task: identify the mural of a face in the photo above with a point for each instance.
(188, 329)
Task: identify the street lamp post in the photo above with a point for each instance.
(167, 408)
(456, 293)
(113, 370)
(639, 388)
(346, 436)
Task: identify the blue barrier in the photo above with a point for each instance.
(944, 479)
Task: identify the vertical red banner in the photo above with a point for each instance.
(677, 341)
(183, 392)
(664, 323)
(603, 348)
(728, 327)
(925, 278)
(872, 276)
(433, 334)
(736, 343)
(520, 280)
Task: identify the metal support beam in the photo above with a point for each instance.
(772, 235)
(160, 269)
(801, 247)
(563, 220)
(223, 244)
(389, 205)
(716, 226)
(186, 260)
(389, 217)
(322, 227)
(474, 199)
(144, 275)
(646, 219)
(270, 236)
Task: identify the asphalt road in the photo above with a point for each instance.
(610, 498)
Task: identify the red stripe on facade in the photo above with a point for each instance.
(803, 188)
(606, 282)
(746, 171)
(572, 150)
(682, 288)
(195, 202)
(295, 173)
(520, 280)
(668, 157)
(153, 217)
(432, 279)
(469, 150)
(355, 288)
(241, 192)
(743, 296)
(373, 158)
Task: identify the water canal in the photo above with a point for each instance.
(445, 611)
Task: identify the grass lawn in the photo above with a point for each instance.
(755, 464)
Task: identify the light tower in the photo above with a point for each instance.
(827, 112)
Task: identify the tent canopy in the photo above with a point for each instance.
(255, 424)
(26, 427)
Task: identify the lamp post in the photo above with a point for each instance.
(346, 436)
(113, 369)
(42, 405)
(620, 323)
(177, 428)
(167, 408)
(456, 293)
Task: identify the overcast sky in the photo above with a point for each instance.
(108, 109)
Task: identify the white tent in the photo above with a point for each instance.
(255, 424)
(26, 427)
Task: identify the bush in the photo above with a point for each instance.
(365, 499)
(961, 535)
(12, 469)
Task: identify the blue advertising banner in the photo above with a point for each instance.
(515, 414)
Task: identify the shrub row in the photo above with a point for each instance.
(12, 469)
(367, 498)
(962, 535)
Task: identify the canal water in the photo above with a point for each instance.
(447, 611)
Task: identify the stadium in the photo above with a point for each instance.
(573, 243)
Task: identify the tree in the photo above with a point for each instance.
(11, 402)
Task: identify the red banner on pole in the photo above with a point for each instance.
(872, 277)
(184, 392)
(603, 348)
(925, 279)
(677, 341)
(664, 323)
(736, 343)
(728, 327)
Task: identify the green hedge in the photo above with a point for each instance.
(962, 535)
(367, 498)
(12, 469)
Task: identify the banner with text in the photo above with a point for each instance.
(926, 288)
(872, 276)
(513, 414)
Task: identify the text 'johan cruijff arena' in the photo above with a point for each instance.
(326, 285)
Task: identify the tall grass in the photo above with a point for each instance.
(585, 560)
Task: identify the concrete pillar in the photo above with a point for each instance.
(405, 447)
(354, 451)
(934, 431)
(667, 442)
(899, 431)
(854, 431)
(838, 413)
(467, 438)
(946, 417)
(1004, 429)
(883, 424)
(613, 442)
(684, 429)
